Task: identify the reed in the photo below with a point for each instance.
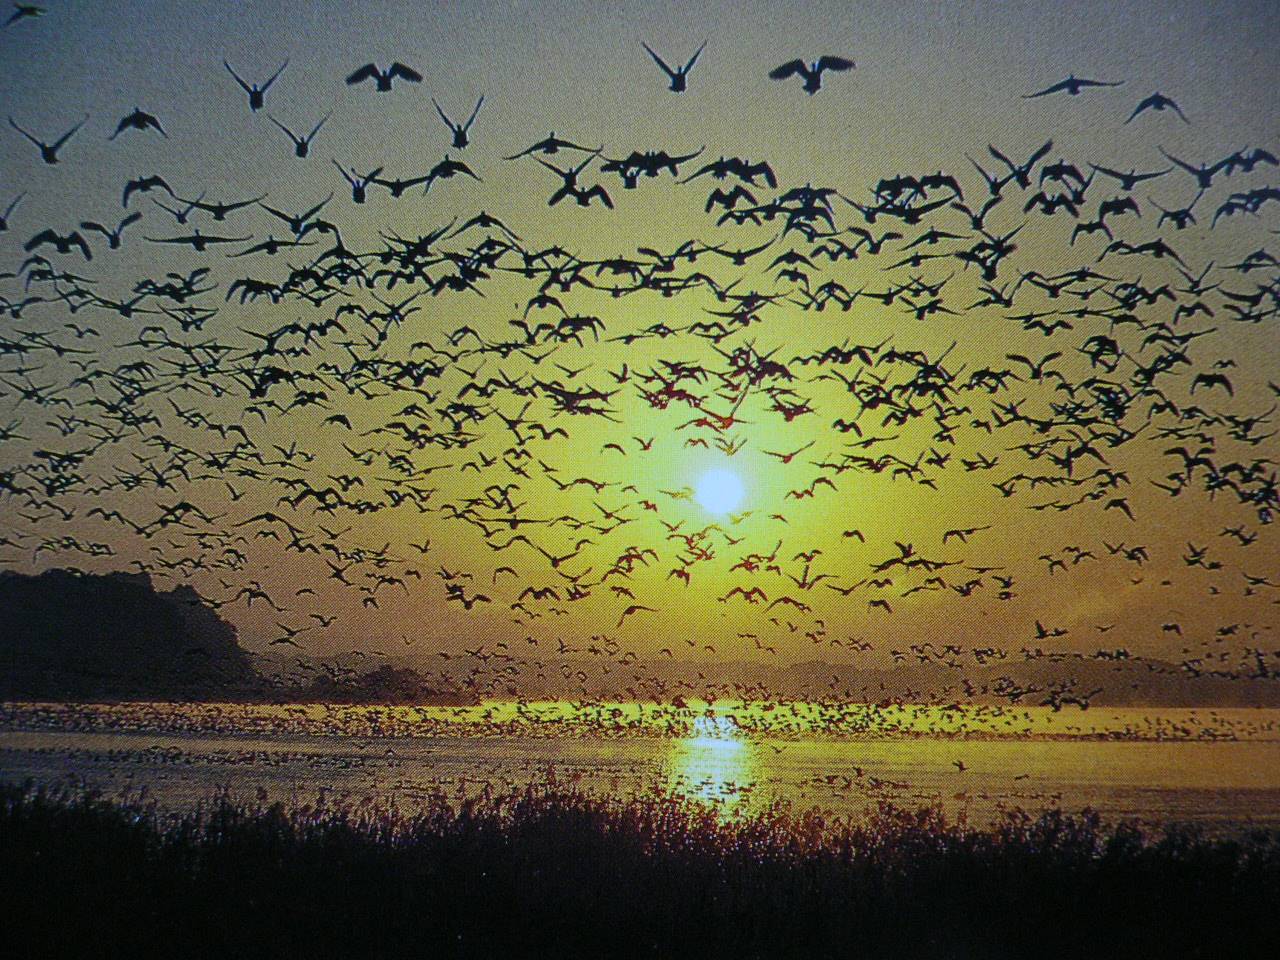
(553, 872)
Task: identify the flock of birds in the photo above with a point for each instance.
(145, 422)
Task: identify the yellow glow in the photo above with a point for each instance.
(720, 491)
(715, 764)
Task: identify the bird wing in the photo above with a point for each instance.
(694, 59)
(272, 78)
(471, 119)
(44, 236)
(658, 60)
(243, 85)
(834, 63)
(788, 69)
(407, 73)
(443, 115)
(1060, 85)
(289, 133)
(367, 72)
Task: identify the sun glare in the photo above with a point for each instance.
(719, 491)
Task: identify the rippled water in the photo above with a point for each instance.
(1222, 771)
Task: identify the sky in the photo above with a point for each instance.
(933, 86)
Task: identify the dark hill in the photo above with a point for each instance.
(70, 635)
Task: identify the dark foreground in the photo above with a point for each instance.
(559, 874)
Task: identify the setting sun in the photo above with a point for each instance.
(719, 491)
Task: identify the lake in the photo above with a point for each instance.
(1216, 768)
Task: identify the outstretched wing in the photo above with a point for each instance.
(443, 115)
(13, 123)
(405, 73)
(474, 113)
(288, 133)
(367, 72)
(694, 59)
(44, 236)
(243, 85)
(1060, 85)
(658, 60)
(272, 78)
(788, 69)
(834, 63)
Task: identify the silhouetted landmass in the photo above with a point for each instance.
(70, 635)
(545, 873)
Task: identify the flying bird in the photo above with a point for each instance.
(1158, 102)
(460, 130)
(301, 145)
(812, 73)
(382, 78)
(139, 120)
(678, 76)
(1072, 85)
(49, 151)
(24, 11)
(257, 93)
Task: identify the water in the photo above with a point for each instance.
(1217, 768)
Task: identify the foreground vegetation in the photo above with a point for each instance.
(546, 872)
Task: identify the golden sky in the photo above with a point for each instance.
(931, 89)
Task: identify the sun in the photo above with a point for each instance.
(719, 491)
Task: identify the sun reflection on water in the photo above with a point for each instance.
(715, 763)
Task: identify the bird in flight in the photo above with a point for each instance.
(460, 138)
(1072, 85)
(24, 11)
(1157, 101)
(49, 151)
(139, 120)
(382, 78)
(256, 92)
(680, 75)
(812, 73)
(301, 145)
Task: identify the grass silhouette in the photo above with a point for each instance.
(551, 872)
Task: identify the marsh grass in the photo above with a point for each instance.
(558, 873)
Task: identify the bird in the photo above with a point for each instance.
(24, 11)
(811, 72)
(679, 76)
(113, 235)
(63, 244)
(1158, 102)
(49, 151)
(301, 145)
(382, 78)
(138, 120)
(257, 93)
(1072, 85)
(8, 211)
(460, 138)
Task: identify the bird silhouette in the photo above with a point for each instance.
(810, 72)
(1072, 85)
(138, 120)
(678, 76)
(382, 78)
(1158, 102)
(460, 138)
(49, 151)
(257, 93)
(301, 145)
